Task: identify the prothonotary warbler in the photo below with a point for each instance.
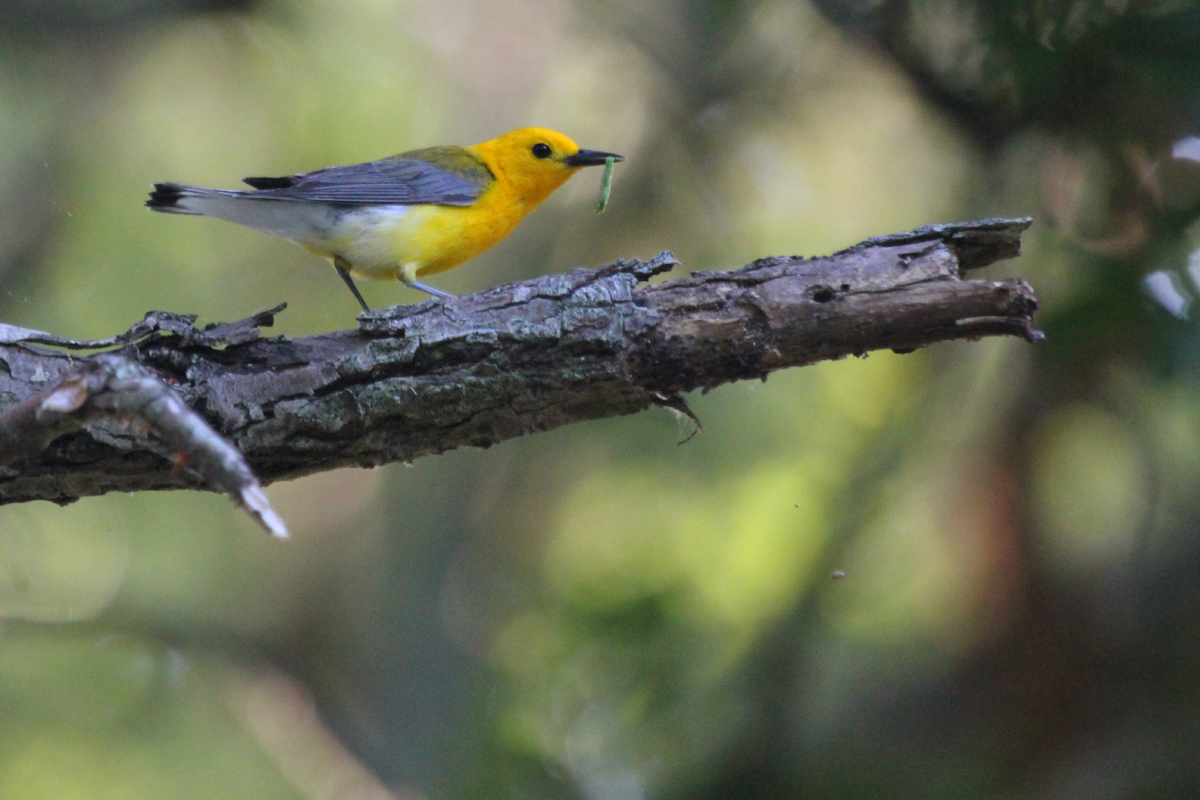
(414, 214)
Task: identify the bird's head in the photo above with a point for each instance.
(536, 161)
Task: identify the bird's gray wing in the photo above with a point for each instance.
(397, 180)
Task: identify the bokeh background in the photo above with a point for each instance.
(599, 612)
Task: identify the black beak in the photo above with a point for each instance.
(589, 158)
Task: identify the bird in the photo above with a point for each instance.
(403, 217)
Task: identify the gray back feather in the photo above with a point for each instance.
(400, 180)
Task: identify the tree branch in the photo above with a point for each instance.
(525, 357)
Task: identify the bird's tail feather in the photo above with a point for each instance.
(176, 198)
(166, 197)
(299, 222)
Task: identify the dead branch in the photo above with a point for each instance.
(512, 360)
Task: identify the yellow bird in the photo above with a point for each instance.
(413, 214)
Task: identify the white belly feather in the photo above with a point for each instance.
(363, 236)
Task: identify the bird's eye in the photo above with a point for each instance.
(541, 150)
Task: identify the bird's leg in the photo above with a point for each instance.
(427, 289)
(408, 276)
(342, 268)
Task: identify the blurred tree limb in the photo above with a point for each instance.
(516, 359)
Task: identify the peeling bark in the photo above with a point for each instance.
(516, 359)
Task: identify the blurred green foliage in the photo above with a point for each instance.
(970, 571)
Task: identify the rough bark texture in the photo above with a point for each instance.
(479, 369)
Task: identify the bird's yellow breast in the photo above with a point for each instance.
(446, 236)
(394, 241)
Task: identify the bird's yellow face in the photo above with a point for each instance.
(535, 161)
